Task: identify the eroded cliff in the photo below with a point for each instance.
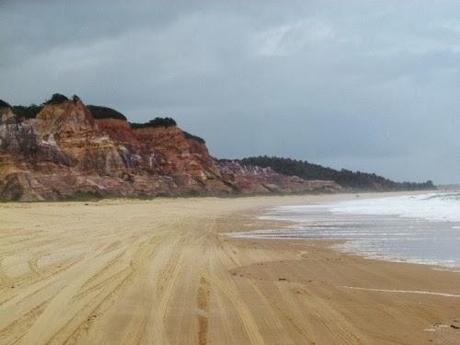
(63, 151)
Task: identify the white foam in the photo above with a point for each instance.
(419, 229)
(433, 206)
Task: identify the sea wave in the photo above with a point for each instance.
(433, 206)
(411, 228)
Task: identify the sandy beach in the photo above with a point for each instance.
(165, 272)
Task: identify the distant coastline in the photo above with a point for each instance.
(64, 149)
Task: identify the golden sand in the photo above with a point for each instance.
(164, 272)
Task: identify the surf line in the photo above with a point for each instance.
(419, 292)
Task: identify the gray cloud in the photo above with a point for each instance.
(365, 85)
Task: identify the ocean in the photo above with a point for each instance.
(422, 228)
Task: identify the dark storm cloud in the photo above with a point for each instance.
(367, 85)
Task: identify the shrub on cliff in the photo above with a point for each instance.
(194, 137)
(100, 113)
(3, 104)
(29, 112)
(57, 98)
(156, 122)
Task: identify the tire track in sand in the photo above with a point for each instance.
(226, 286)
(203, 307)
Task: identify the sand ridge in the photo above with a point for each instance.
(164, 272)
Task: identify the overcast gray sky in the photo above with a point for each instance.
(365, 85)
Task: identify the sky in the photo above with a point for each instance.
(363, 85)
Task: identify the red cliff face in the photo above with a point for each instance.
(64, 153)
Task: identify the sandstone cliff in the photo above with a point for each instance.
(63, 151)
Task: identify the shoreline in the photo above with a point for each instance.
(340, 245)
(228, 196)
(127, 272)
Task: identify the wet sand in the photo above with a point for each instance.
(164, 272)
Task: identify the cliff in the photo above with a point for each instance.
(65, 149)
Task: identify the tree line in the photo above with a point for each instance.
(355, 180)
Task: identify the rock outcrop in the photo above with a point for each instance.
(65, 151)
